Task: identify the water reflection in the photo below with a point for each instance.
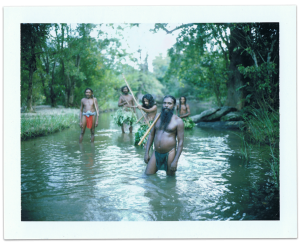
(62, 180)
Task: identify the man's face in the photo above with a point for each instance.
(88, 93)
(125, 90)
(146, 101)
(168, 103)
(182, 100)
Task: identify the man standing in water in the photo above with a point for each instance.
(149, 107)
(183, 109)
(126, 102)
(164, 133)
(88, 112)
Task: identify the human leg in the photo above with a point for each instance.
(151, 166)
(83, 120)
(93, 129)
(171, 157)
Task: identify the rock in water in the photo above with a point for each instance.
(199, 117)
(218, 114)
(229, 125)
(232, 116)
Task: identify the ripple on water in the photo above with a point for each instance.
(105, 180)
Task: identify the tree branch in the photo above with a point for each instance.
(178, 27)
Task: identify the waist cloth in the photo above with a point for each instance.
(89, 118)
(162, 160)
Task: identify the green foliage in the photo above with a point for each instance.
(188, 123)
(140, 133)
(39, 125)
(121, 116)
(262, 127)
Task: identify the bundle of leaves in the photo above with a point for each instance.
(188, 123)
(140, 133)
(121, 116)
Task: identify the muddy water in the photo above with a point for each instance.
(104, 181)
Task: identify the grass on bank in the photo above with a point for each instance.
(262, 127)
(39, 125)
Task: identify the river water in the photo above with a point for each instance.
(62, 180)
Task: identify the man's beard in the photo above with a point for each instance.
(165, 117)
(125, 93)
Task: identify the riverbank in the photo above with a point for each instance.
(47, 120)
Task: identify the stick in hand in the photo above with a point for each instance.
(147, 132)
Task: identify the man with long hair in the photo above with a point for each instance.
(167, 129)
(183, 109)
(126, 102)
(148, 106)
(88, 115)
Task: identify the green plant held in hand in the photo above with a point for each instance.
(139, 134)
(188, 123)
(121, 116)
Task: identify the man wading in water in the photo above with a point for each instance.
(164, 133)
(149, 107)
(127, 103)
(183, 109)
(88, 111)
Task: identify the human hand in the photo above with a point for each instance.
(80, 124)
(146, 158)
(139, 106)
(173, 167)
(96, 124)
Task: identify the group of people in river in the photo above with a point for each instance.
(167, 133)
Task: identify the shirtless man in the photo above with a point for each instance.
(88, 112)
(183, 108)
(164, 133)
(126, 102)
(149, 107)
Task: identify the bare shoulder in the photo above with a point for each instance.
(178, 120)
(187, 106)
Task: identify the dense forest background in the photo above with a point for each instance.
(232, 64)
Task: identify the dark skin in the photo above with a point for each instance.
(126, 101)
(184, 110)
(165, 141)
(88, 104)
(151, 112)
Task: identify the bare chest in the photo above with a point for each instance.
(171, 127)
(127, 98)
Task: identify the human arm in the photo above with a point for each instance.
(80, 113)
(154, 108)
(149, 143)
(188, 112)
(180, 139)
(120, 102)
(97, 110)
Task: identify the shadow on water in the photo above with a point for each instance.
(62, 180)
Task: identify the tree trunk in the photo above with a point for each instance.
(52, 94)
(235, 98)
(29, 96)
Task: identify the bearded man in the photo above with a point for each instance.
(164, 133)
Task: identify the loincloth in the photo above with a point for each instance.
(124, 117)
(89, 118)
(162, 160)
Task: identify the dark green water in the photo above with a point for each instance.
(104, 181)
